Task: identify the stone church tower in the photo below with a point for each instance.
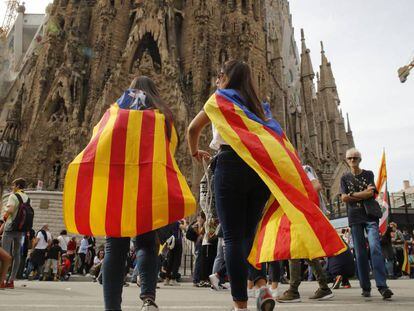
(91, 50)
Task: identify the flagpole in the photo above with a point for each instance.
(389, 203)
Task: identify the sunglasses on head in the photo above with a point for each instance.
(353, 158)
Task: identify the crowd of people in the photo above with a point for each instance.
(232, 201)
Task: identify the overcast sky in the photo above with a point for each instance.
(366, 42)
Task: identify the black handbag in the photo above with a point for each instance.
(372, 208)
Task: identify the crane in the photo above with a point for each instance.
(9, 17)
(404, 71)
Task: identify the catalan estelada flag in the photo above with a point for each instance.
(292, 225)
(406, 266)
(126, 181)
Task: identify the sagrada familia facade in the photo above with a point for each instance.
(90, 50)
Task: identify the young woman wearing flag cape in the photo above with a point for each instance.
(240, 193)
(142, 95)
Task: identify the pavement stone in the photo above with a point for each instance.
(87, 296)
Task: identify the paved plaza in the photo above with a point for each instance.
(86, 296)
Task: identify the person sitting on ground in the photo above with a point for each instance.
(64, 268)
(340, 268)
(97, 265)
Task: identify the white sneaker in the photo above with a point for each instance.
(251, 293)
(149, 305)
(214, 281)
(275, 292)
(174, 283)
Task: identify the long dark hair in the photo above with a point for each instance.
(153, 99)
(240, 78)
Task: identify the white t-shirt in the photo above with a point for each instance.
(217, 140)
(97, 261)
(42, 243)
(63, 242)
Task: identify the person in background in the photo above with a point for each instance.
(5, 260)
(175, 246)
(82, 252)
(52, 262)
(97, 265)
(195, 232)
(42, 243)
(358, 186)
(340, 269)
(71, 251)
(397, 239)
(27, 249)
(323, 292)
(388, 251)
(90, 255)
(63, 241)
(64, 268)
(12, 238)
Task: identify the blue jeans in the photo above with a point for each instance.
(219, 266)
(116, 250)
(240, 198)
(12, 241)
(197, 263)
(361, 254)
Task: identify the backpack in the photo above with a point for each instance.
(23, 221)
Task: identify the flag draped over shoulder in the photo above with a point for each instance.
(381, 186)
(126, 181)
(292, 225)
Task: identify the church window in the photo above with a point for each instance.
(245, 6)
(290, 76)
(149, 45)
(57, 167)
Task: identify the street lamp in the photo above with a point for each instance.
(404, 71)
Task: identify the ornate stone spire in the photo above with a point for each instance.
(349, 135)
(327, 79)
(348, 125)
(306, 63)
(10, 138)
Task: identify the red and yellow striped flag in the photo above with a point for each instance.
(406, 267)
(292, 226)
(126, 181)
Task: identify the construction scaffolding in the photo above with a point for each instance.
(9, 17)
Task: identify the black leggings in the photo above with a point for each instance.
(274, 271)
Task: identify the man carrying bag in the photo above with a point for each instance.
(358, 190)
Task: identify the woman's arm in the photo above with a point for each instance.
(193, 134)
